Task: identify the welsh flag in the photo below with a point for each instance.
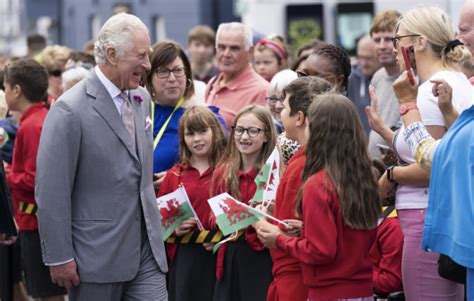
(232, 215)
(3, 137)
(267, 180)
(175, 208)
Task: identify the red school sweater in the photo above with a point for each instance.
(285, 208)
(386, 257)
(247, 189)
(198, 189)
(334, 257)
(21, 178)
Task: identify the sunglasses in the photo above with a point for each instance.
(55, 73)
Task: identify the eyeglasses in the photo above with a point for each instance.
(301, 73)
(396, 39)
(165, 72)
(274, 99)
(55, 72)
(251, 131)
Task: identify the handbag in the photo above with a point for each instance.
(449, 269)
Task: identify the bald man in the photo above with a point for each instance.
(359, 80)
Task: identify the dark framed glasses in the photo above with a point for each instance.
(251, 131)
(165, 72)
(274, 99)
(55, 72)
(396, 39)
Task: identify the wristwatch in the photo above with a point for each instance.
(404, 108)
(390, 174)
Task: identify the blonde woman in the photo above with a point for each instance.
(437, 55)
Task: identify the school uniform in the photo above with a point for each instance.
(192, 268)
(334, 257)
(386, 257)
(21, 180)
(287, 282)
(244, 266)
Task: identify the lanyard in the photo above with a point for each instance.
(165, 125)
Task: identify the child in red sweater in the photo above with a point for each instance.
(287, 282)
(244, 266)
(339, 204)
(202, 142)
(26, 83)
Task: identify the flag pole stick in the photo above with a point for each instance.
(198, 222)
(267, 215)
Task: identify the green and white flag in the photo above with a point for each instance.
(267, 180)
(232, 215)
(3, 137)
(175, 208)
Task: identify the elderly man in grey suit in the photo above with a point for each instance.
(98, 220)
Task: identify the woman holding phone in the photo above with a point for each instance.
(436, 54)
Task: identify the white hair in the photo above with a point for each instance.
(72, 76)
(281, 80)
(116, 33)
(237, 26)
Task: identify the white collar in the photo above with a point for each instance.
(113, 90)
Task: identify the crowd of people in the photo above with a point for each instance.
(375, 189)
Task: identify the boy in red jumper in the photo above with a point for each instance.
(26, 83)
(340, 206)
(287, 282)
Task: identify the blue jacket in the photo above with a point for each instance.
(449, 223)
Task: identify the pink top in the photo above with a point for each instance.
(248, 88)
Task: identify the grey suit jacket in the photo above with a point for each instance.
(91, 185)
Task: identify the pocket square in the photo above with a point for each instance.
(148, 123)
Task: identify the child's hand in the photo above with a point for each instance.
(208, 246)
(385, 186)
(185, 227)
(295, 227)
(158, 179)
(267, 234)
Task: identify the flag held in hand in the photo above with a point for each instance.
(232, 215)
(267, 180)
(175, 208)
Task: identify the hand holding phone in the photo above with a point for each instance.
(408, 54)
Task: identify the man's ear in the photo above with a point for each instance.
(111, 55)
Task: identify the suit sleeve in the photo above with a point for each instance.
(319, 242)
(387, 276)
(56, 168)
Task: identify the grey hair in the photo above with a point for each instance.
(72, 76)
(280, 81)
(237, 26)
(116, 33)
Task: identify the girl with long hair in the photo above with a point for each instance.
(339, 204)
(202, 143)
(244, 266)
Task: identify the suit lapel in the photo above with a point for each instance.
(105, 106)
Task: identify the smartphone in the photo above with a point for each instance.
(410, 64)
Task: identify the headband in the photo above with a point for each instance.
(450, 46)
(280, 51)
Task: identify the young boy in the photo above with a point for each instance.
(26, 84)
(201, 43)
